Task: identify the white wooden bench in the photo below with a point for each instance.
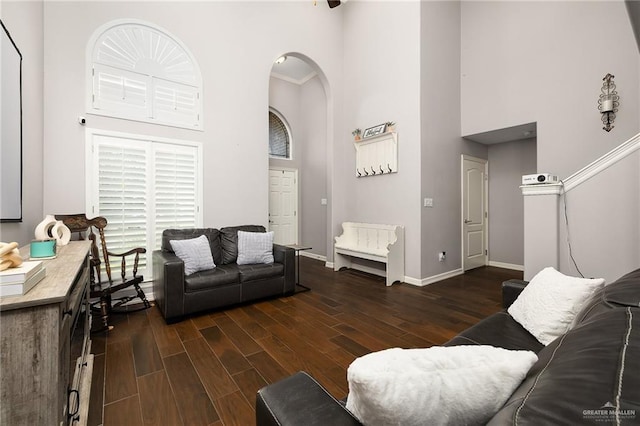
(380, 243)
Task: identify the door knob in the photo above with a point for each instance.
(467, 221)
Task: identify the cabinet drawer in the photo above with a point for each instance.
(79, 285)
(71, 307)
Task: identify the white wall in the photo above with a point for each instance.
(24, 22)
(235, 44)
(507, 163)
(382, 83)
(544, 62)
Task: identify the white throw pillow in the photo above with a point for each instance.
(456, 385)
(549, 303)
(195, 253)
(255, 247)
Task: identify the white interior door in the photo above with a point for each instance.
(474, 212)
(283, 205)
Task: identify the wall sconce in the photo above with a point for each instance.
(608, 102)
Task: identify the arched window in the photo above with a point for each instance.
(279, 136)
(141, 72)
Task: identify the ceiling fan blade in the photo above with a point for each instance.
(333, 3)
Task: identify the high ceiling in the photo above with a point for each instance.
(294, 70)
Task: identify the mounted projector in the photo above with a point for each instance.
(539, 178)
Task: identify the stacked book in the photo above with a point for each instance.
(18, 281)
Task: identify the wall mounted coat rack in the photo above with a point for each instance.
(377, 155)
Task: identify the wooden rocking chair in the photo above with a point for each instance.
(102, 290)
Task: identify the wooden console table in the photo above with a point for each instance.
(38, 384)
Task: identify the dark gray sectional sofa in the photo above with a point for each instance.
(590, 375)
(227, 284)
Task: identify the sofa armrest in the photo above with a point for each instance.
(300, 400)
(168, 284)
(511, 289)
(286, 256)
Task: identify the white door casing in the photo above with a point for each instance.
(474, 212)
(283, 205)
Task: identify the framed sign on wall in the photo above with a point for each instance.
(375, 130)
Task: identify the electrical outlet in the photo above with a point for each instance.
(428, 202)
(442, 256)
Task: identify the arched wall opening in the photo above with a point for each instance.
(299, 91)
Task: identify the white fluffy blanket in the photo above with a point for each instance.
(457, 385)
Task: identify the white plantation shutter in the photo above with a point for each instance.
(175, 188)
(143, 73)
(123, 92)
(175, 102)
(143, 186)
(122, 193)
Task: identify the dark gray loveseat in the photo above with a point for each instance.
(590, 375)
(227, 284)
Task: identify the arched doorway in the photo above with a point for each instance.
(298, 183)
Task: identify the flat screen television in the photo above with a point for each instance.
(10, 129)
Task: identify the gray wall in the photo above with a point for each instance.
(382, 83)
(633, 7)
(507, 163)
(544, 62)
(441, 145)
(24, 21)
(285, 98)
(313, 175)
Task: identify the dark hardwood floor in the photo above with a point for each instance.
(206, 369)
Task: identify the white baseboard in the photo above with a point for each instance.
(313, 256)
(407, 279)
(506, 265)
(412, 281)
(329, 265)
(434, 278)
